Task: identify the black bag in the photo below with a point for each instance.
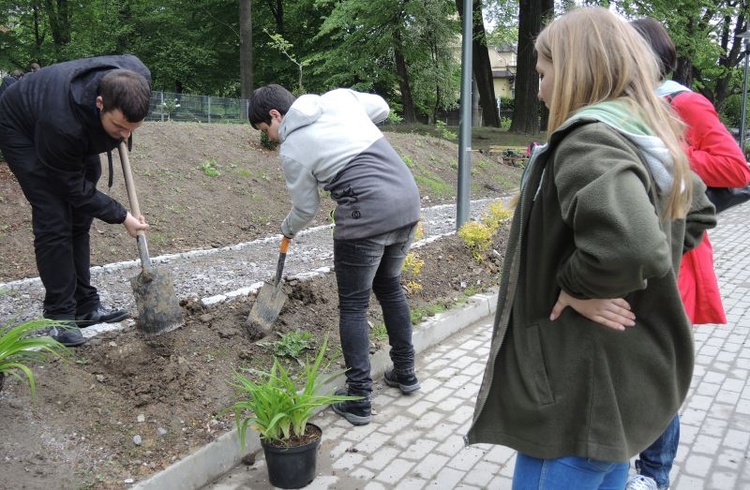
(726, 197)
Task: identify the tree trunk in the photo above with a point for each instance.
(277, 9)
(410, 113)
(526, 110)
(684, 72)
(481, 66)
(483, 70)
(246, 49)
(59, 21)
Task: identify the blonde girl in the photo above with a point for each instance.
(603, 217)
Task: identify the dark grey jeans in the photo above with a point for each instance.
(363, 266)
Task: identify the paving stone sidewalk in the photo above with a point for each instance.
(415, 442)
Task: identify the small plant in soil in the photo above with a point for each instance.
(291, 344)
(19, 348)
(478, 237)
(210, 168)
(279, 405)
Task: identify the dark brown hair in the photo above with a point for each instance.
(658, 37)
(127, 91)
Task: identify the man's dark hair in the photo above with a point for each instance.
(266, 98)
(658, 38)
(127, 91)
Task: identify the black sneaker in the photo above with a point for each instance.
(67, 335)
(407, 383)
(101, 315)
(356, 412)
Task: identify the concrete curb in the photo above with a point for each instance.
(218, 457)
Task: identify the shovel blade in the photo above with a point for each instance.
(158, 309)
(265, 311)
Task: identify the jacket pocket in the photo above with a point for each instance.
(535, 366)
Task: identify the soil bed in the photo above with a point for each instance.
(126, 407)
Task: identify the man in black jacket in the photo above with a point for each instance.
(53, 126)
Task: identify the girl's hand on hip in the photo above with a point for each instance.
(612, 313)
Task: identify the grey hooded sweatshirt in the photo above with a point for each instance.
(331, 141)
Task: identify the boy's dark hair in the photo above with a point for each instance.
(127, 91)
(658, 38)
(266, 98)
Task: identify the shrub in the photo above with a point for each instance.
(497, 213)
(478, 236)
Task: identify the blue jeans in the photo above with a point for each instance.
(656, 460)
(363, 266)
(568, 473)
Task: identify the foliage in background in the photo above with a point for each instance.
(406, 51)
(21, 346)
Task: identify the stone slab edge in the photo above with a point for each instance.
(218, 457)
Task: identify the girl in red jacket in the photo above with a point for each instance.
(719, 161)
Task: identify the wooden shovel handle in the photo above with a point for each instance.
(135, 209)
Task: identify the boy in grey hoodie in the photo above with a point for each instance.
(331, 141)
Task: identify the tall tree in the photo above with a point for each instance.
(399, 48)
(482, 68)
(246, 49)
(526, 107)
(59, 21)
(705, 34)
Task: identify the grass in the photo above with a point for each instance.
(482, 138)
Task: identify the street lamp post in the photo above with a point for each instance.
(745, 36)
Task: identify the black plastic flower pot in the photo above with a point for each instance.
(293, 467)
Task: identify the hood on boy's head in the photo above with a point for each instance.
(305, 111)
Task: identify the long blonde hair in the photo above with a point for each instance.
(596, 56)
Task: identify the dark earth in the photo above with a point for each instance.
(125, 407)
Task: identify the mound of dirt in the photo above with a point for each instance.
(126, 407)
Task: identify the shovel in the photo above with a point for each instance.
(158, 309)
(270, 299)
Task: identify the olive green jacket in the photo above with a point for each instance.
(589, 221)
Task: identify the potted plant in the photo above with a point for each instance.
(280, 409)
(19, 347)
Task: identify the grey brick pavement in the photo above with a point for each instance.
(415, 442)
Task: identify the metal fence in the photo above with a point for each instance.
(171, 106)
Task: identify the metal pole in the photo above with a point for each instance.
(743, 124)
(463, 198)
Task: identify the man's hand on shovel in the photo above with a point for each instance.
(134, 225)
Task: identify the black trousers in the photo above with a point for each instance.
(61, 233)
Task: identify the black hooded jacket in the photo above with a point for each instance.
(55, 110)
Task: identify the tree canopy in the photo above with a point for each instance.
(406, 50)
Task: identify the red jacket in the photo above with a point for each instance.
(718, 160)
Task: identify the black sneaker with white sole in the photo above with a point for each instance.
(67, 334)
(356, 412)
(407, 383)
(101, 315)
